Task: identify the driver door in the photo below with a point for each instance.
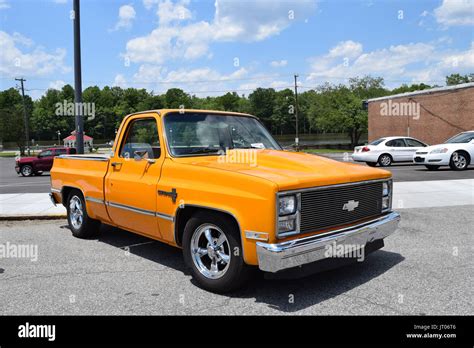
(44, 161)
(133, 175)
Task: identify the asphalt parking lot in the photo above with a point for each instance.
(426, 267)
(11, 182)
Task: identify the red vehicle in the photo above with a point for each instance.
(28, 166)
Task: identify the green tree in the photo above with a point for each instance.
(176, 98)
(414, 87)
(262, 102)
(456, 79)
(12, 118)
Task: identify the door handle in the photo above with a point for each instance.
(116, 165)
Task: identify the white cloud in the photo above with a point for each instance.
(349, 49)
(278, 63)
(4, 4)
(233, 21)
(120, 81)
(455, 12)
(191, 80)
(150, 3)
(169, 12)
(413, 62)
(58, 84)
(19, 56)
(125, 17)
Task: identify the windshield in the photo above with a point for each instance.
(461, 138)
(376, 142)
(200, 133)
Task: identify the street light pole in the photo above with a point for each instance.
(25, 116)
(79, 120)
(297, 140)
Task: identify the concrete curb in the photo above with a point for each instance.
(31, 217)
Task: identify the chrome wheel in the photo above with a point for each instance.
(26, 170)
(385, 160)
(459, 160)
(76, 213)
(210, 251)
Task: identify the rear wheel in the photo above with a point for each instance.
(371, 164)
(430, 167)
(81, 225)
(385, 160)
(459, 160)
(213, 252)
(26, 170)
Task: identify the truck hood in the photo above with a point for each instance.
(288, 170)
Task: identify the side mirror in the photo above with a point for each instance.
(139, 154)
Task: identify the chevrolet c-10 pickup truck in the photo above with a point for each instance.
(217, 185)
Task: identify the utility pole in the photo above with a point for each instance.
(25, 116)
(78, 80)
(297, 140)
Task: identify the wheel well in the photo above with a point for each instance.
(66, 190)
(185, 213)
(466, 154)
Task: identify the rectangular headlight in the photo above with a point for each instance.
(386, 195)
(386, 188)
(287, 205)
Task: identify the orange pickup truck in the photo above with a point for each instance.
(217, 185)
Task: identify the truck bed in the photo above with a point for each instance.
(83, 172)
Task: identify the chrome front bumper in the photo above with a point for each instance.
(297, 252)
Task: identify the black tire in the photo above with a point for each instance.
(431, 167)
(385, 160)
(371, 164)
(236, 273)
(88, 227)
(26, 170)
(459, 160)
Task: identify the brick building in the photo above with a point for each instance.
(431, 115)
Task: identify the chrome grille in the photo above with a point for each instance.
(323, 207)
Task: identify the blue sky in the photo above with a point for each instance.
(210, 47)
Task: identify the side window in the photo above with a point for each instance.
(396, 143)
(46, 153)
(58, 152)
(142, 140)
(414, 143)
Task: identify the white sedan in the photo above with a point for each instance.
(385, 151)
(457, 152)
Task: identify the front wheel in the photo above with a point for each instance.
(213, 252)
(26, 170)
(459, 161)
(81, 225)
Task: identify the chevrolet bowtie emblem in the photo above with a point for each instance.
(351, 205)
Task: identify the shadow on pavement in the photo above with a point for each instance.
(277, 294)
